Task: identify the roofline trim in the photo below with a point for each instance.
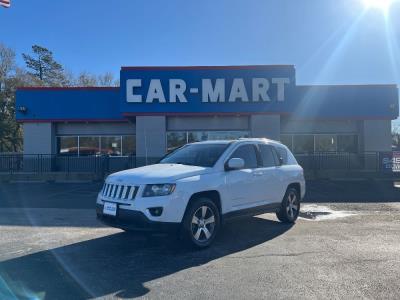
(72, 120)
(350, 85)
(191, 114)
(358, 118)
(29, 88)
(229, 67)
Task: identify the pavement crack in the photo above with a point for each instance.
(273, 255)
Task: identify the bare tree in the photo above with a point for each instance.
(7, 64)
(10, 132)
(89, 79)
(86, 79)
(107, 80)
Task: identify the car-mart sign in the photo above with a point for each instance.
(212, 90)
(206, 89)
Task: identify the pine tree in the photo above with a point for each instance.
(43, 66)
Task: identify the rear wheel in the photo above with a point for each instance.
(201, 223)
(290, 206)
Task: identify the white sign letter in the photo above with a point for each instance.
(238, 90)
(177, 88)
(130, 85)
(155, 91)
(210, 94)
(281, 87)
(260, 89)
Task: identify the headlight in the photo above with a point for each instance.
(154, 190)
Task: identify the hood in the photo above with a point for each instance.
(158, 173)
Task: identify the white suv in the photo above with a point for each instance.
(200, 185)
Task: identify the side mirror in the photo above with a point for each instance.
(280, 160)
(235, 164)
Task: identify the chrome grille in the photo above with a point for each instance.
(119, 191)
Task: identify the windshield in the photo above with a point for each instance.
(202, 155)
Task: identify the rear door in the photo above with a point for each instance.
(271, 174)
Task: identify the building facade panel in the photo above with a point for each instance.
(268, 126)
(208, 123)
(98, 128)
(157, 109)
(289, 125)
(150, 136)
(377, 135)
(39, 138)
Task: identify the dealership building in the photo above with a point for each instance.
(157, 109)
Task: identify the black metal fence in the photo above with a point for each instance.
(43, 163)
(371, 161)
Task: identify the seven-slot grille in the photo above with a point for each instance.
(118, 191)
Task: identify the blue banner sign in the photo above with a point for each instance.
(207, 91)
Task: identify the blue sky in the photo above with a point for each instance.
(329, 41)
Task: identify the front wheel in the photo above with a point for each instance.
(201, 223)
(290, 206)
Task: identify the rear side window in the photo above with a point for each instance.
(267, 156)
(248, 154)
(282, 153)
(287, 156)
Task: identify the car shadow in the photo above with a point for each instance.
(120, 264)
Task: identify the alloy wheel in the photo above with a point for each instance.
(203, 224)
(292, 206)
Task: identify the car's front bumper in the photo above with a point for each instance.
(134, 220)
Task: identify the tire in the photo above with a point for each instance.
(201, 223)
(290, 206)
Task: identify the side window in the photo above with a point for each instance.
(267, 156)
(282, 153)
(248, 154)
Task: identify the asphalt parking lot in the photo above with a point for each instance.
(346, 245)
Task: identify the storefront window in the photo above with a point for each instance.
(128, 145)
(197, 136)
(325, 143)
(303, 143)
(96, 145)
(89, 145)
(227, 135)
(286, 139)
(111, 145)
(67, 145)
(175, 140)
(347, 143)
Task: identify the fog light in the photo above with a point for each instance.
(156, 211)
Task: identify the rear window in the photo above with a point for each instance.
(282, 153)
(287, 156)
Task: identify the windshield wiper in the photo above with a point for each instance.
(184, 163)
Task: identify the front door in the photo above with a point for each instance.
(243, 186)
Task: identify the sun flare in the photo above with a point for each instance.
(383, 5)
